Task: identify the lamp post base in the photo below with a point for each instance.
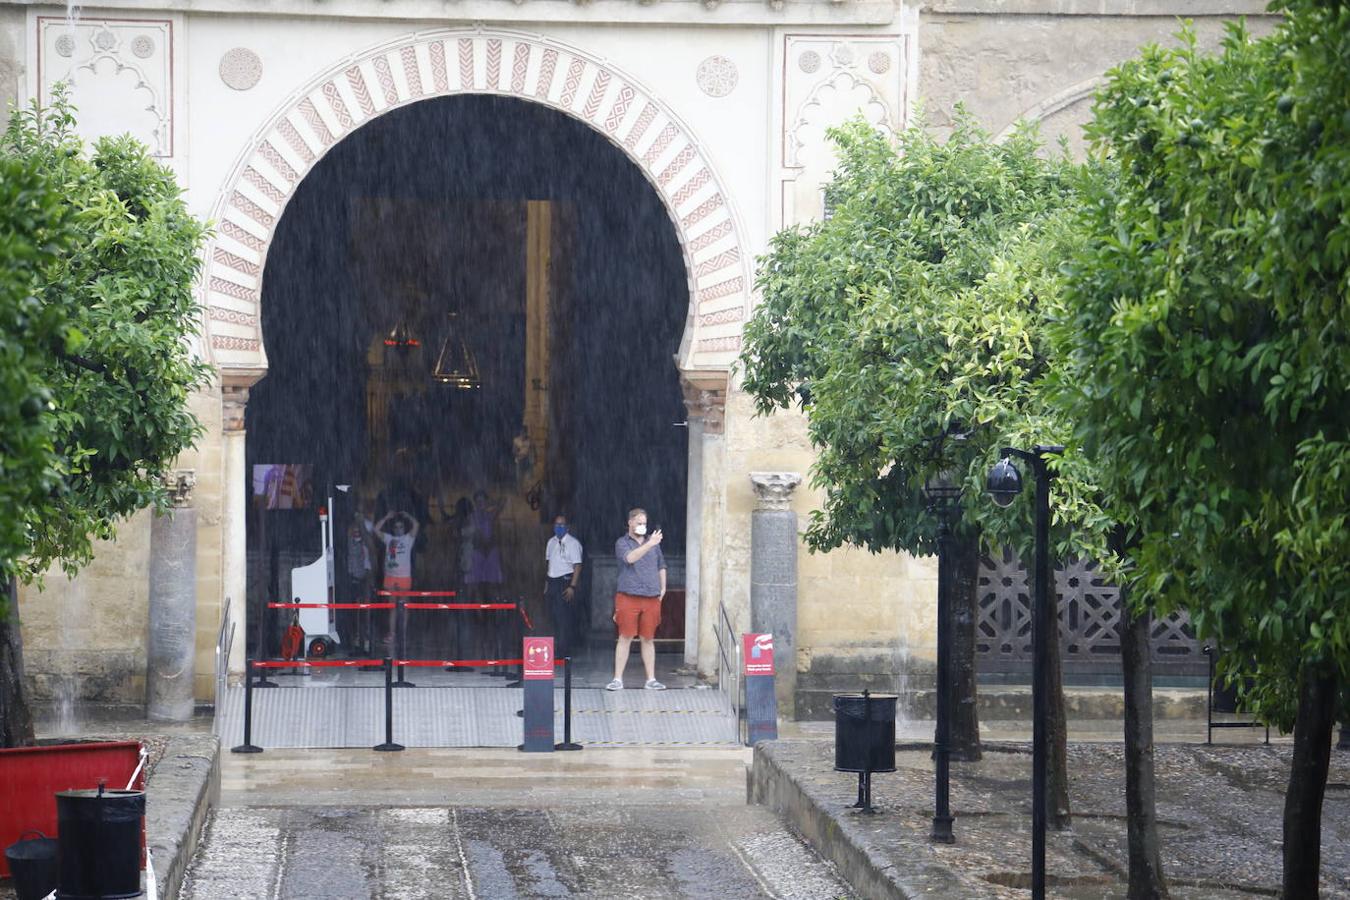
(942, 830)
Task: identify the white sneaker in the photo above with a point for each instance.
(654, 685)
(615, 685)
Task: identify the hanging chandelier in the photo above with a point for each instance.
(455, 364)
(401, 339)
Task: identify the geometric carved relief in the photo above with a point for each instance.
(1089, 616)
(454, 61)
(119, 72)
(828, 79)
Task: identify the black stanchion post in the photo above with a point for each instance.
(517, 639)
(567, 743)
(388, 744)
(401, 639)
(248, 746)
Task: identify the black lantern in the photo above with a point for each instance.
(455, 364)
(1004, 482)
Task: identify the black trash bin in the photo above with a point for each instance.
(100, 856)
(864, 732)
(32, 862)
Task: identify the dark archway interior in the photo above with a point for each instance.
(421, 213)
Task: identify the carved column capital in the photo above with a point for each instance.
(705, 399)
(774, 490)
(179, 483)
(233, 399)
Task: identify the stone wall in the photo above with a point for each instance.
(1042, 59)
(864, 619)
(85, 638)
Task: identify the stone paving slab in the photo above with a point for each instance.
(1220, 808)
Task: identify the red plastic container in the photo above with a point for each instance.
(31, 776)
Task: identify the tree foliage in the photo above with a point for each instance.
(914, 312)
(34, 231)
(104, 252)
(1207, 337)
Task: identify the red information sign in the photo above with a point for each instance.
(538, 658)
(758, 653)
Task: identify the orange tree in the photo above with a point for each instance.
(99, 255)
(1206, 335)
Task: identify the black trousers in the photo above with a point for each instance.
(564, 614)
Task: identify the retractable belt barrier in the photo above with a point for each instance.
(387, 593)
(402, 603)
(330, 606)
(387, 664)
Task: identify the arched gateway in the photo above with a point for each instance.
(455, 61)
(443, 63)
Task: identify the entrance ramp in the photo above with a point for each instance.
(432, 716)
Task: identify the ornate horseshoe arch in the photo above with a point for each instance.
(457, 61)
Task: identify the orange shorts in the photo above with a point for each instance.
(394, 583)
(637, 616)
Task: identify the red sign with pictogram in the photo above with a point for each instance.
(538, 658)
(758, 653)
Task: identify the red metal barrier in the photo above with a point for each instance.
(431, 663)
(314, 664)
(31, 776)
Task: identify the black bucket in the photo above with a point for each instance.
(100, 844)
(864, 732)
(32, 862)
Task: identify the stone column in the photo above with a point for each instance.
(773, 576)
(704, 403)
(172, 645)
(234, 519)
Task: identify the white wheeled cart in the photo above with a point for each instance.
(313, 583)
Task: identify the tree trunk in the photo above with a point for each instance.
(16, 718)
(1307, 783)
(1057, 775)
(965, 569)
(1141, 812)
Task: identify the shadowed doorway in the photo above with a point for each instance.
(468, 232)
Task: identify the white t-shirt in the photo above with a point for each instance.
(562, 554)
(397, 555)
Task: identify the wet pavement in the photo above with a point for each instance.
(1219, 807)
(603, 823)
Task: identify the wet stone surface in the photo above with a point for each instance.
(1220, 808)
(603, 850)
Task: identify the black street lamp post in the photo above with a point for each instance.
(1004, 484)
(944, 499)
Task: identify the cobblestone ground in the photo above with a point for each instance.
(1219, 807)
(411, 852)
(613, 824)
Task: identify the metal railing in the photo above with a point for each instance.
(224, 641)
(729, 680)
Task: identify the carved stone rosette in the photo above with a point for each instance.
(180, 484)
(774, 490)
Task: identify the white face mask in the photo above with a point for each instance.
(639, 530)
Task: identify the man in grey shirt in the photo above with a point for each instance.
(637, 603)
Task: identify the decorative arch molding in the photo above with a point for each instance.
(446, 62)
(1054, 103)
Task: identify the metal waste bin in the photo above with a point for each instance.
(32, 862)
(864, 732)
(100, 854)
